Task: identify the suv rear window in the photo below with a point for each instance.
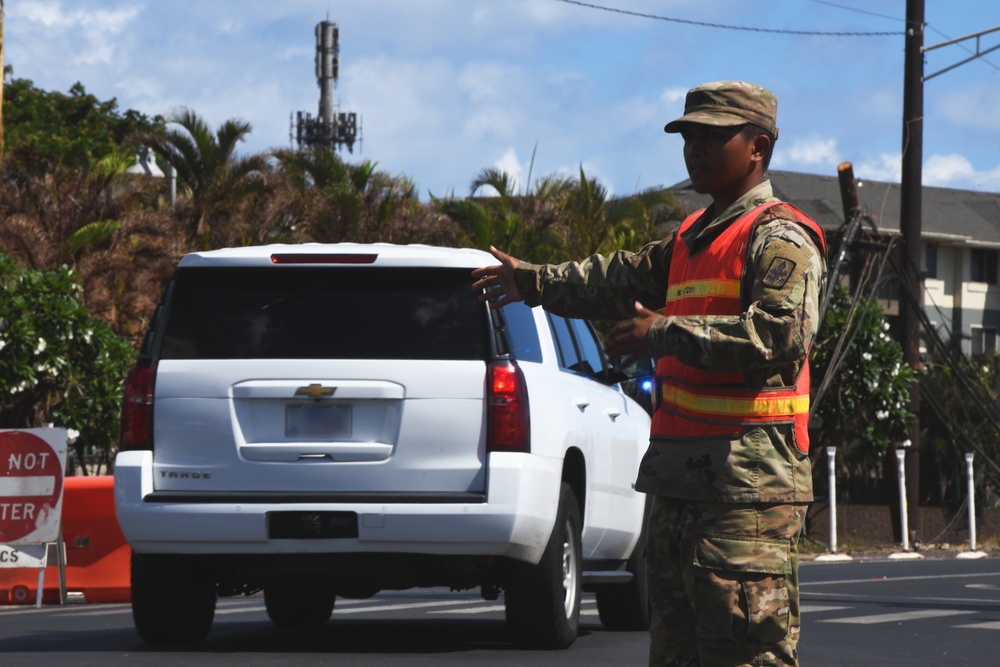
(324, 313)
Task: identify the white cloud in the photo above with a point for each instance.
(956, 171)
(100, 28)
(886, 167)
(810, 151)
(673, 96)
(947, 169)
(47, 13)
(973, 107)
(509, 164)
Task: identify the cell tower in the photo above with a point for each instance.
(331, 129)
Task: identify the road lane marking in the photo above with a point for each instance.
(238, 610)
(104, 611)
(870, 596)
(410, 605)
(901, 616)
(817, 608)
(882, 580)
(988, 625)
(474, 610)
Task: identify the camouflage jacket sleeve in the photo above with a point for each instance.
(771, 339)
(599, 287)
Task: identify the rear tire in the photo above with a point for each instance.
(626, 606)
(543, 601)
(298, 604)
(173, 600)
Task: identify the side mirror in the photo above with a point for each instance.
(634, 371)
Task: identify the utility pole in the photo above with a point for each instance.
(910, 225)
(911, 185)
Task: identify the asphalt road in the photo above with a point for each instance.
(885, 613)
(915, 613)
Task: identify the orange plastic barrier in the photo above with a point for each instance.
(97, 557)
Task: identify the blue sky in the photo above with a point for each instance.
(446, 88)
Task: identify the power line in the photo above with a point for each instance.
(730, 27)
(859, 11)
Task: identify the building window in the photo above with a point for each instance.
(930, 261)
(984, 340)
(984, 266)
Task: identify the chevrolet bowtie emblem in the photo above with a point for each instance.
(315, 391)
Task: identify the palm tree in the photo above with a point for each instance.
(638, 219)
(586, 215)
(345, 202)
(526, 225)
(106, 225)
(216, 179)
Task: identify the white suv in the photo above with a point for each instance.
(318, 421)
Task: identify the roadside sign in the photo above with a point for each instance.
(31, 485)
(31, 555)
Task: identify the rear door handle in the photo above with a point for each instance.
(581, 403)
(613, 413)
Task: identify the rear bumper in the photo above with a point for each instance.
(514, 519)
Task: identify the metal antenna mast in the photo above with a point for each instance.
(330, 128)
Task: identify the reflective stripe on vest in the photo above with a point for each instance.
(704, 288)
(733, 408)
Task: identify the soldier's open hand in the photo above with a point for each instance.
(497, 281)
(627, 342)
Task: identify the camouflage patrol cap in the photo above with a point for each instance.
(728, 103)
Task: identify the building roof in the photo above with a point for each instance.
(948, 216)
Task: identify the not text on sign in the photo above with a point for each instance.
(31, 485)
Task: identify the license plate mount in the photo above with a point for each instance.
(312, 525)
(318, 422)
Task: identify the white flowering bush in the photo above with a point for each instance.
(58, 363)
(867, 405)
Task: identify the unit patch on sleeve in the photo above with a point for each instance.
(778, 272)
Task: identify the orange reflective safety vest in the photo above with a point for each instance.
(695, 403)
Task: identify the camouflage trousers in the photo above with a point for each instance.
(723, 583)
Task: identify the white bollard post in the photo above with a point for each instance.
(972, 552)
(831, 470)
(904, 520)
(831, 467)
(972, 502)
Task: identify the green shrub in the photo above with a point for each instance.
(58, 363)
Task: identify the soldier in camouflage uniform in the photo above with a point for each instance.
(727, 505)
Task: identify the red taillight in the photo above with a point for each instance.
(507, 409)
(325, 258)
(137, 407)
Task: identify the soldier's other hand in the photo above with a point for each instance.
(497, 282)
(627, 342)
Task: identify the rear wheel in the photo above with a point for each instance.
(543, 601)
(173, 599)
(298, 604)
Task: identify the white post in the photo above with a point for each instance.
(172, 174)
(971, 553)
(831, 470)
(831, 467)
(972, 502)
(903, 519)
